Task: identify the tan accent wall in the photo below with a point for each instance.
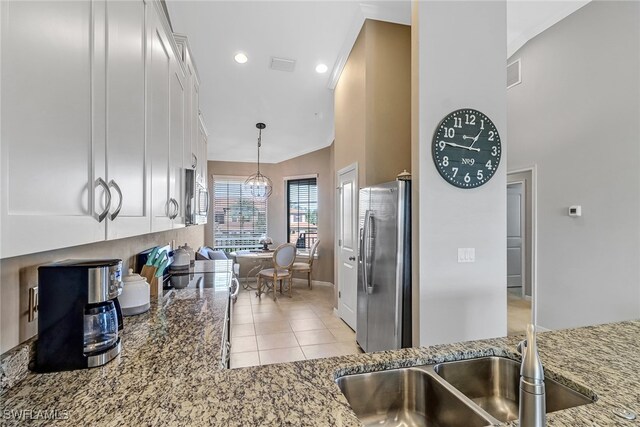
(372, 103)
(18, 274)
(350, 110)
(318, 162)
(388, 101)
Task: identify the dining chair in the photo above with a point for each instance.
(283, 258)
(306, 267)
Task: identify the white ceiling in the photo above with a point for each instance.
(297, 107)
(526, 19)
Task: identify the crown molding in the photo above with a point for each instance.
(397, 12)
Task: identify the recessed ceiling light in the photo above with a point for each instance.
(321, 68)
(241, 58)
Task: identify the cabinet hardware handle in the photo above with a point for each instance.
(169, 206)
(113, 184)
(100, 182)
(175, 204)
(177, 209)
(194, 164)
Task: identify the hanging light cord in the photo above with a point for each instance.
(259, 145)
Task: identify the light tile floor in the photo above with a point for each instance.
(518, 312)
(297, 328)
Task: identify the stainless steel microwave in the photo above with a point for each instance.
(196, 198)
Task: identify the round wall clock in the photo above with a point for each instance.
(466, 148)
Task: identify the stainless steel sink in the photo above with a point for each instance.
(493, 384)
(467, 393)
(407, 397)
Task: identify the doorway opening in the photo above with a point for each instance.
(520, 251)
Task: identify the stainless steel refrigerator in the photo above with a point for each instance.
(384, 261)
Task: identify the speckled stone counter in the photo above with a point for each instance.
(169, 374)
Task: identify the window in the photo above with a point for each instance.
(302, 212)
(239, 220)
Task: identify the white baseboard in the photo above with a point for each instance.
(313, 282)
(296, 280)
(541, 329)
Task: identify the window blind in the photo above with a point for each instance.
(302, 212)
(239, 220)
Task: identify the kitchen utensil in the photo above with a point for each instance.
(147, 267)
(156, 280)
(135, 294)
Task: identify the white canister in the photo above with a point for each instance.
(136, 294)
(191, 252)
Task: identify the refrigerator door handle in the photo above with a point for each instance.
(368, 216)
(361, 259)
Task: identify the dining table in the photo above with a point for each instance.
(259, 260)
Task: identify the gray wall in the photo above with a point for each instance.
(459, 57)
(576, 116)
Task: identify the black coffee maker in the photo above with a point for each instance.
(79, 317)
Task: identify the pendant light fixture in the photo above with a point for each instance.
(259, 185)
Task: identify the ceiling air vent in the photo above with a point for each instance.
(513, 74)
(282, 64)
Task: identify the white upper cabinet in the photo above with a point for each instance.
(99, 120)
(127, 157)
(202, 151)
(192, 104)
(176, 143)
(48, 173)
(159, 77)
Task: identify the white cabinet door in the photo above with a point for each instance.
(159, 58)
(195, 121)
(202, 150)
(189, 137)
(127, 157)
(176, 151)
(48, 171)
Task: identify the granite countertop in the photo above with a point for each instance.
(169, 374)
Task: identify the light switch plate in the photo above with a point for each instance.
(466, 254)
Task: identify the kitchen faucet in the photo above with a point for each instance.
(532, 411)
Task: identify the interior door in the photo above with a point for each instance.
(348, 245)
(515, 234)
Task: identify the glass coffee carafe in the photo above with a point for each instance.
(100, 327)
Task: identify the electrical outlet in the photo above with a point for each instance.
(33, 304)
(466, 254)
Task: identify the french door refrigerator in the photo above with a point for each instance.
(384, 261)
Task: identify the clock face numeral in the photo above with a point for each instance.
(466, 148)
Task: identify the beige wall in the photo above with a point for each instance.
(18, 274)
(373, 104)
(388, 101)
(318, 162)
(349, 110)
